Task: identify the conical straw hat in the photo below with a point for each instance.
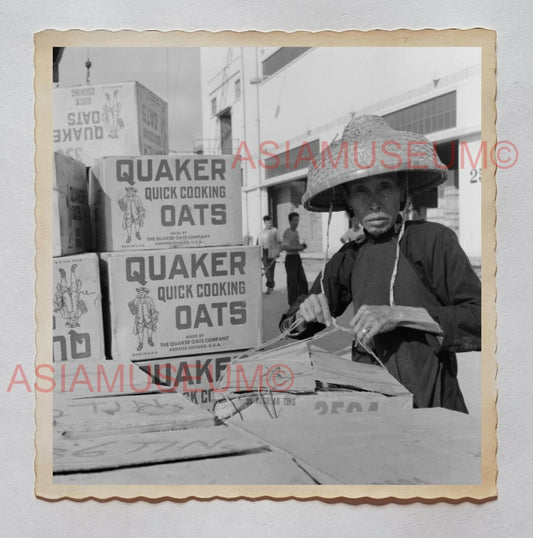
(370, 147)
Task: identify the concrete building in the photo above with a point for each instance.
(274, 107)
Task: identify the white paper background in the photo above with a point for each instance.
(509, 515)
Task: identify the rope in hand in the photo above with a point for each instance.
(237, 358)
(334, 325)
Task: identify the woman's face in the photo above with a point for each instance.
(375, 202)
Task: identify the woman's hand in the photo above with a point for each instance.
(316, 308)
(374, 319)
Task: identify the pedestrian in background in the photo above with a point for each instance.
(270, 242)
(296, 279)
(354, 233)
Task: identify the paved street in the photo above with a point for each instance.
(276, 303)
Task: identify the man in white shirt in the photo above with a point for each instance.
(354, 233)
(270, 242)
(296, 279)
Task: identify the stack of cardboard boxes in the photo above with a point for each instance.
(77, 318)
(180, 292)
(178, 282)
(90, 122)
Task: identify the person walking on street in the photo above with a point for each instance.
(270, 243)
(296, 279)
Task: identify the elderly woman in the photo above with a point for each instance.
(416, 297)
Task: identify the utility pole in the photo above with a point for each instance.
(57, 53)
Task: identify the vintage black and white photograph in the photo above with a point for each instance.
(268, 259)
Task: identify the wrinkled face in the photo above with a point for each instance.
(375, 202)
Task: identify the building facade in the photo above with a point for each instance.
(274, 108)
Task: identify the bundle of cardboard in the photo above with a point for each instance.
(303, 380)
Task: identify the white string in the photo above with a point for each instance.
(400, 235)
(282, 335)
(334, 327)
(237, 358)
(358, 342)
(395, 269)
(325, 260)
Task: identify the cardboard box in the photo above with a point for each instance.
(79, 379)
(82, 418)
(165, 303)
(407, 447)
(132, 450)
(193, 376)
(165, 202)
(91, 122)
(70, 211)
(303, 380)
(77, 319)
(322, 404)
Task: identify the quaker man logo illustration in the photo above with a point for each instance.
(67, 300)
(134, 213)
(111, 115)
(146, 316)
